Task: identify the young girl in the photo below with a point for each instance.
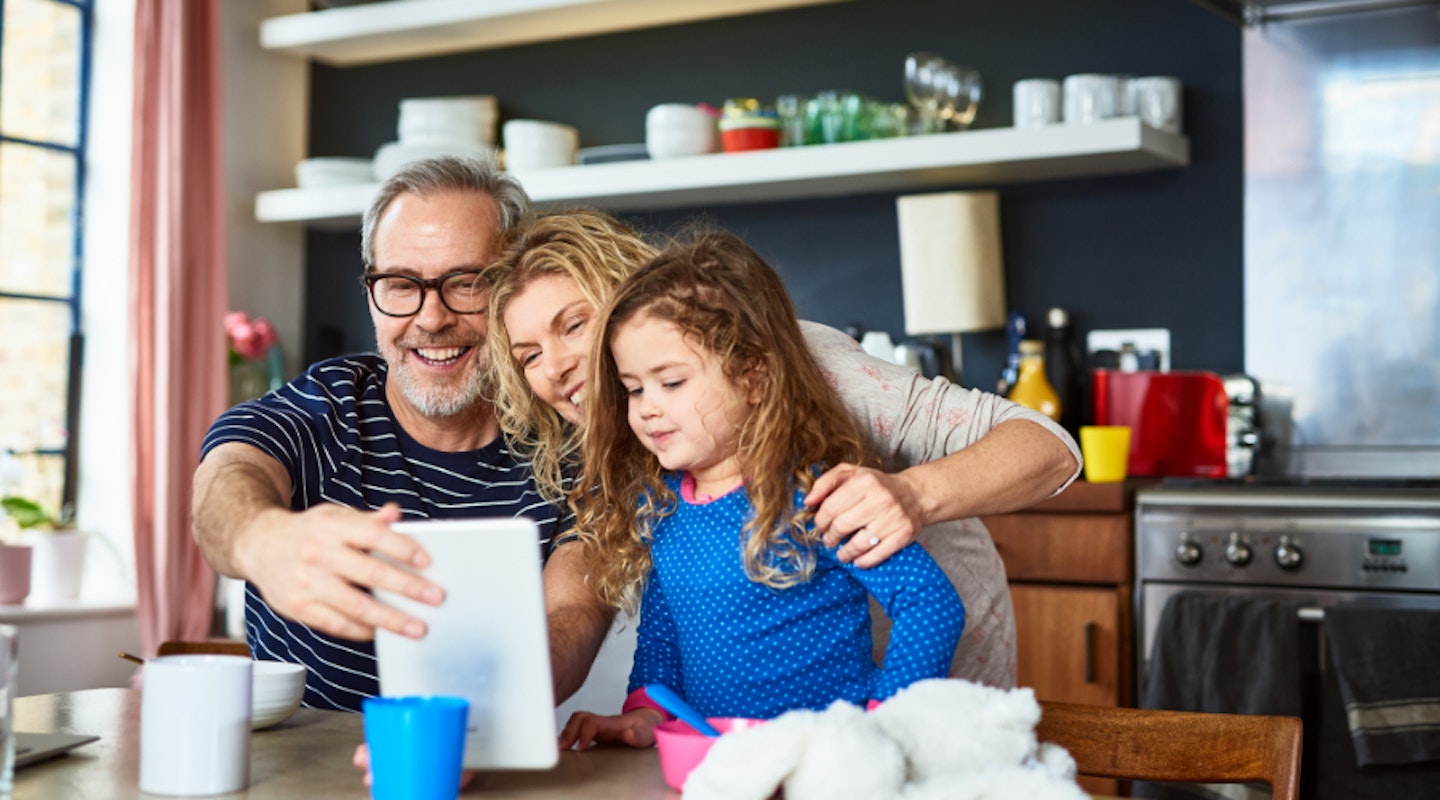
(707, 420)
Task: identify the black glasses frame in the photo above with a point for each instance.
(369, 279)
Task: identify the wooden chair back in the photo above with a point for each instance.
(1179, 746)
(224, 647)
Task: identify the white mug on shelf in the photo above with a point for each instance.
(1157, 101)
(1091, 98)
(1037, 102)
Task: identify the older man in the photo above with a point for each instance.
(296, 491)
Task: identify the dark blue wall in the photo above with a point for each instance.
(1153, 250)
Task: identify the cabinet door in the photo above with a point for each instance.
(1070, 642)
(1072, 645)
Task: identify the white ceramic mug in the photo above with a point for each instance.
(680, 129)
(195, 725)
(1037, 102)
(1091, 98)
(1157, 101)
(537, 144)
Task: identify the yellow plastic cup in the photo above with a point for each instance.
(1106, 449)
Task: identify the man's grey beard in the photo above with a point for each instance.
(445, 401)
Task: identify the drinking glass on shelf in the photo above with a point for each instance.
(888, 120)
(855, 115)
(790, 108)
(922, 88)
(958, 90)
(825, 118)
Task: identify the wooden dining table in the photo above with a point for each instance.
(306, 756)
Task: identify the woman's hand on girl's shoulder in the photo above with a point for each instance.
(879, 513)
(634, 728)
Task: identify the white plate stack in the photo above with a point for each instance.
(316, 173)
(440, 126)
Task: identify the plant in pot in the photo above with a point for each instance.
(256, 365)
(42, 556)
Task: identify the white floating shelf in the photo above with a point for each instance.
(986, 157)
(405, 29)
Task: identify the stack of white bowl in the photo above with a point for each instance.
(322, 171)
(440, 126)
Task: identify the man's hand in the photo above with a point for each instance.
(314, 567)
(880, 513)
(634, 728)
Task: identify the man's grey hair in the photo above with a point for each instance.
(430, 176)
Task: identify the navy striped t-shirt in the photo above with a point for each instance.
(333, 431)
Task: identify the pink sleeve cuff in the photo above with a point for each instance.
(638, 699)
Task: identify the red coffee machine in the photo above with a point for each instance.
(1177, 419)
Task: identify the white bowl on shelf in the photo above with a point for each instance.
(674, 130)
(539, 144)
(394, 155)
(314, 173)
(467, 118)
(276, 689)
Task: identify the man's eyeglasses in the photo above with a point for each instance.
(463, 292)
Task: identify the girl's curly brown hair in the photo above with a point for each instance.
(722, 296)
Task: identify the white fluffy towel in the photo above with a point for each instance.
(938, 739)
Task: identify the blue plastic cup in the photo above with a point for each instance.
(417, 746)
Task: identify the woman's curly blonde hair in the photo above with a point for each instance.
(596, 251)
(723, 297)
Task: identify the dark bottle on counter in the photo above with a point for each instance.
(1065, 369)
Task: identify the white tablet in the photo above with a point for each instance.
(487, 642)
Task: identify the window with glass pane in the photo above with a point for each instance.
(43, 88)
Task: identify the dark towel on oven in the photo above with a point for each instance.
(1226, 654)
(1387, 662)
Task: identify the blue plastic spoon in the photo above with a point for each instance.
(670, 701)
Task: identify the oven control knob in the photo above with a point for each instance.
(1188, 553)
(1288, 554)
(1237, 552)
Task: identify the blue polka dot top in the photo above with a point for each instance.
(736, 648)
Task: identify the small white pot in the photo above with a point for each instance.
(57, 565)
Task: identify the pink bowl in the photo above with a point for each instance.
(682, 748)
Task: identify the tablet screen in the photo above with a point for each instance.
(487, 642)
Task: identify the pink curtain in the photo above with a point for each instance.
(178, 285)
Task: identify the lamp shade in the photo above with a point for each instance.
(950, 262)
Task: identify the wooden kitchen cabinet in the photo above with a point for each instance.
(1070, 562)
(1069, 641)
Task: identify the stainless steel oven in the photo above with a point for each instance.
(1316, 544)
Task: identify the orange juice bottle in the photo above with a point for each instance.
(1032, 389)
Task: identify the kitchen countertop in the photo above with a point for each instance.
(1084, 496)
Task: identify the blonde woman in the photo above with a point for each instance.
(949, 454)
